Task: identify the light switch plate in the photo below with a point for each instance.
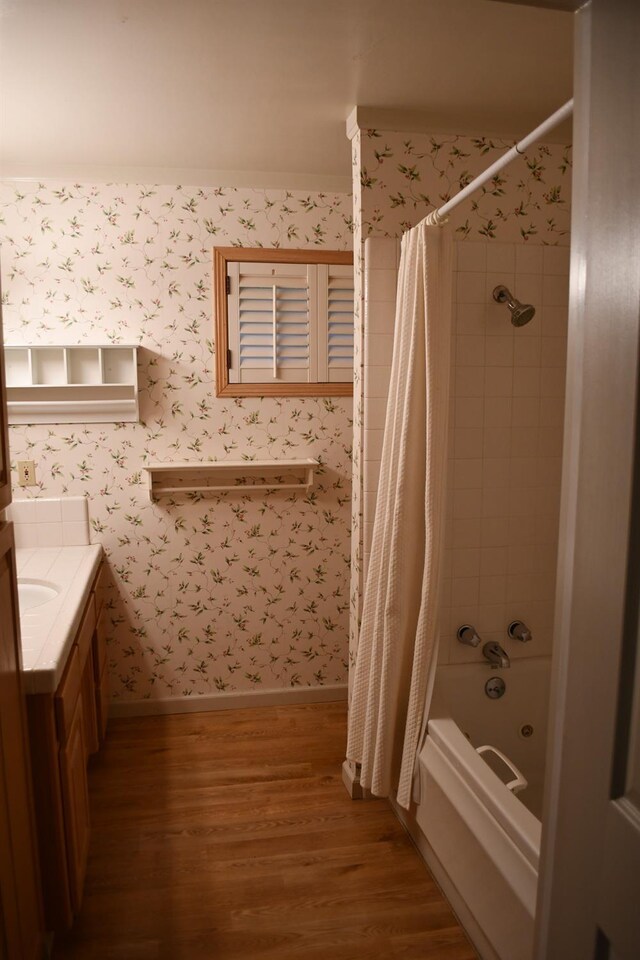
(26, 473)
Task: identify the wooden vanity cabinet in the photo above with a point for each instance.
(64, 730)
(21, 927)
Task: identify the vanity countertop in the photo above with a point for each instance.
(48, 630)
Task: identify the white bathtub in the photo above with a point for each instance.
(485, 840)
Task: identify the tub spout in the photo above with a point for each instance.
(496, 656)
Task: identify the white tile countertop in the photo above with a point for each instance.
(48, 630)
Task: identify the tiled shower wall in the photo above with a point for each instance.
(506, 417)
(505, 438)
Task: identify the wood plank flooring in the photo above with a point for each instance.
(229, 835)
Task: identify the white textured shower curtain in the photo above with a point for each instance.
(397, 640)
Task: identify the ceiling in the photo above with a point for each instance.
(257, 92)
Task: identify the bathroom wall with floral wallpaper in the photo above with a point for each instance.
(234, 592)
(398, 178)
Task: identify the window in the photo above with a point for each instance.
(284, 322)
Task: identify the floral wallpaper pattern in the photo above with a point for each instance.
(397, 179)
(405, 176)
(231, 592)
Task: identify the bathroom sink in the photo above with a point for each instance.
(33, 593)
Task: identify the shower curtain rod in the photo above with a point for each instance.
(440, 216)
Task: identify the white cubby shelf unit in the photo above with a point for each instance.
(72, 384)
(210, 477)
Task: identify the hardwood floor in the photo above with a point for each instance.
(230, 835)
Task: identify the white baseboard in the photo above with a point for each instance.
(466, 919)
(233, 700)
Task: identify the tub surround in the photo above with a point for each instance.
(523, 213)
(48, 631)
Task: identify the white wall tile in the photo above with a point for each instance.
(555, 321)
(552, 381)
(526, 382)
(464, 590)
(376, 381)
(492, 589)
(470, 319)
(524, 442)
(496, 442)
(471, 256)
(468, 412)
(528, 289)
(26, 535)
(556, 260)
(526, 411)
(470, 382)
(379, 317)
(74, 509)
(498, 381)
(75, 534)
(529, 259)
(553, 352)
(499, 351)
(501, 257)
(526, 352)
(467, 443)
(467, 474)
(555, 291)
(494, 532)
(493, 501)
(48, 511)
(467, 504)
(465, 562)
(380, 285)
(23, 511)
(373, 444)
(378, 350)
(470, 288)
(49, 534)
(380, 253)
(497, 411)
(494, 561)
(495, 473)
(466, 532)
(470, 351)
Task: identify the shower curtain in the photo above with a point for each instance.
(397, 645)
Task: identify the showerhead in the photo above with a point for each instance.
(521, 313)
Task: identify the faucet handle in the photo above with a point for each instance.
(468, 635)
(518, 630)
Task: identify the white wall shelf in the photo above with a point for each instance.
(168, 479)
(72, 384)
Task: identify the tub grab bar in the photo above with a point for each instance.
(519, 782)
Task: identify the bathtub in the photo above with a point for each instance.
(482, 838)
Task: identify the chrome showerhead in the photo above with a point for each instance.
(521, 313)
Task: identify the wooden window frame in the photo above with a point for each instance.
(224, 255)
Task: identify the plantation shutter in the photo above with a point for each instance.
(270, 307)
(335, 323)
(290, 322)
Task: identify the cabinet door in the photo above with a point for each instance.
(5, 471)
(21, 925)
(89, 707)
(75, 798)
(101, 672)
